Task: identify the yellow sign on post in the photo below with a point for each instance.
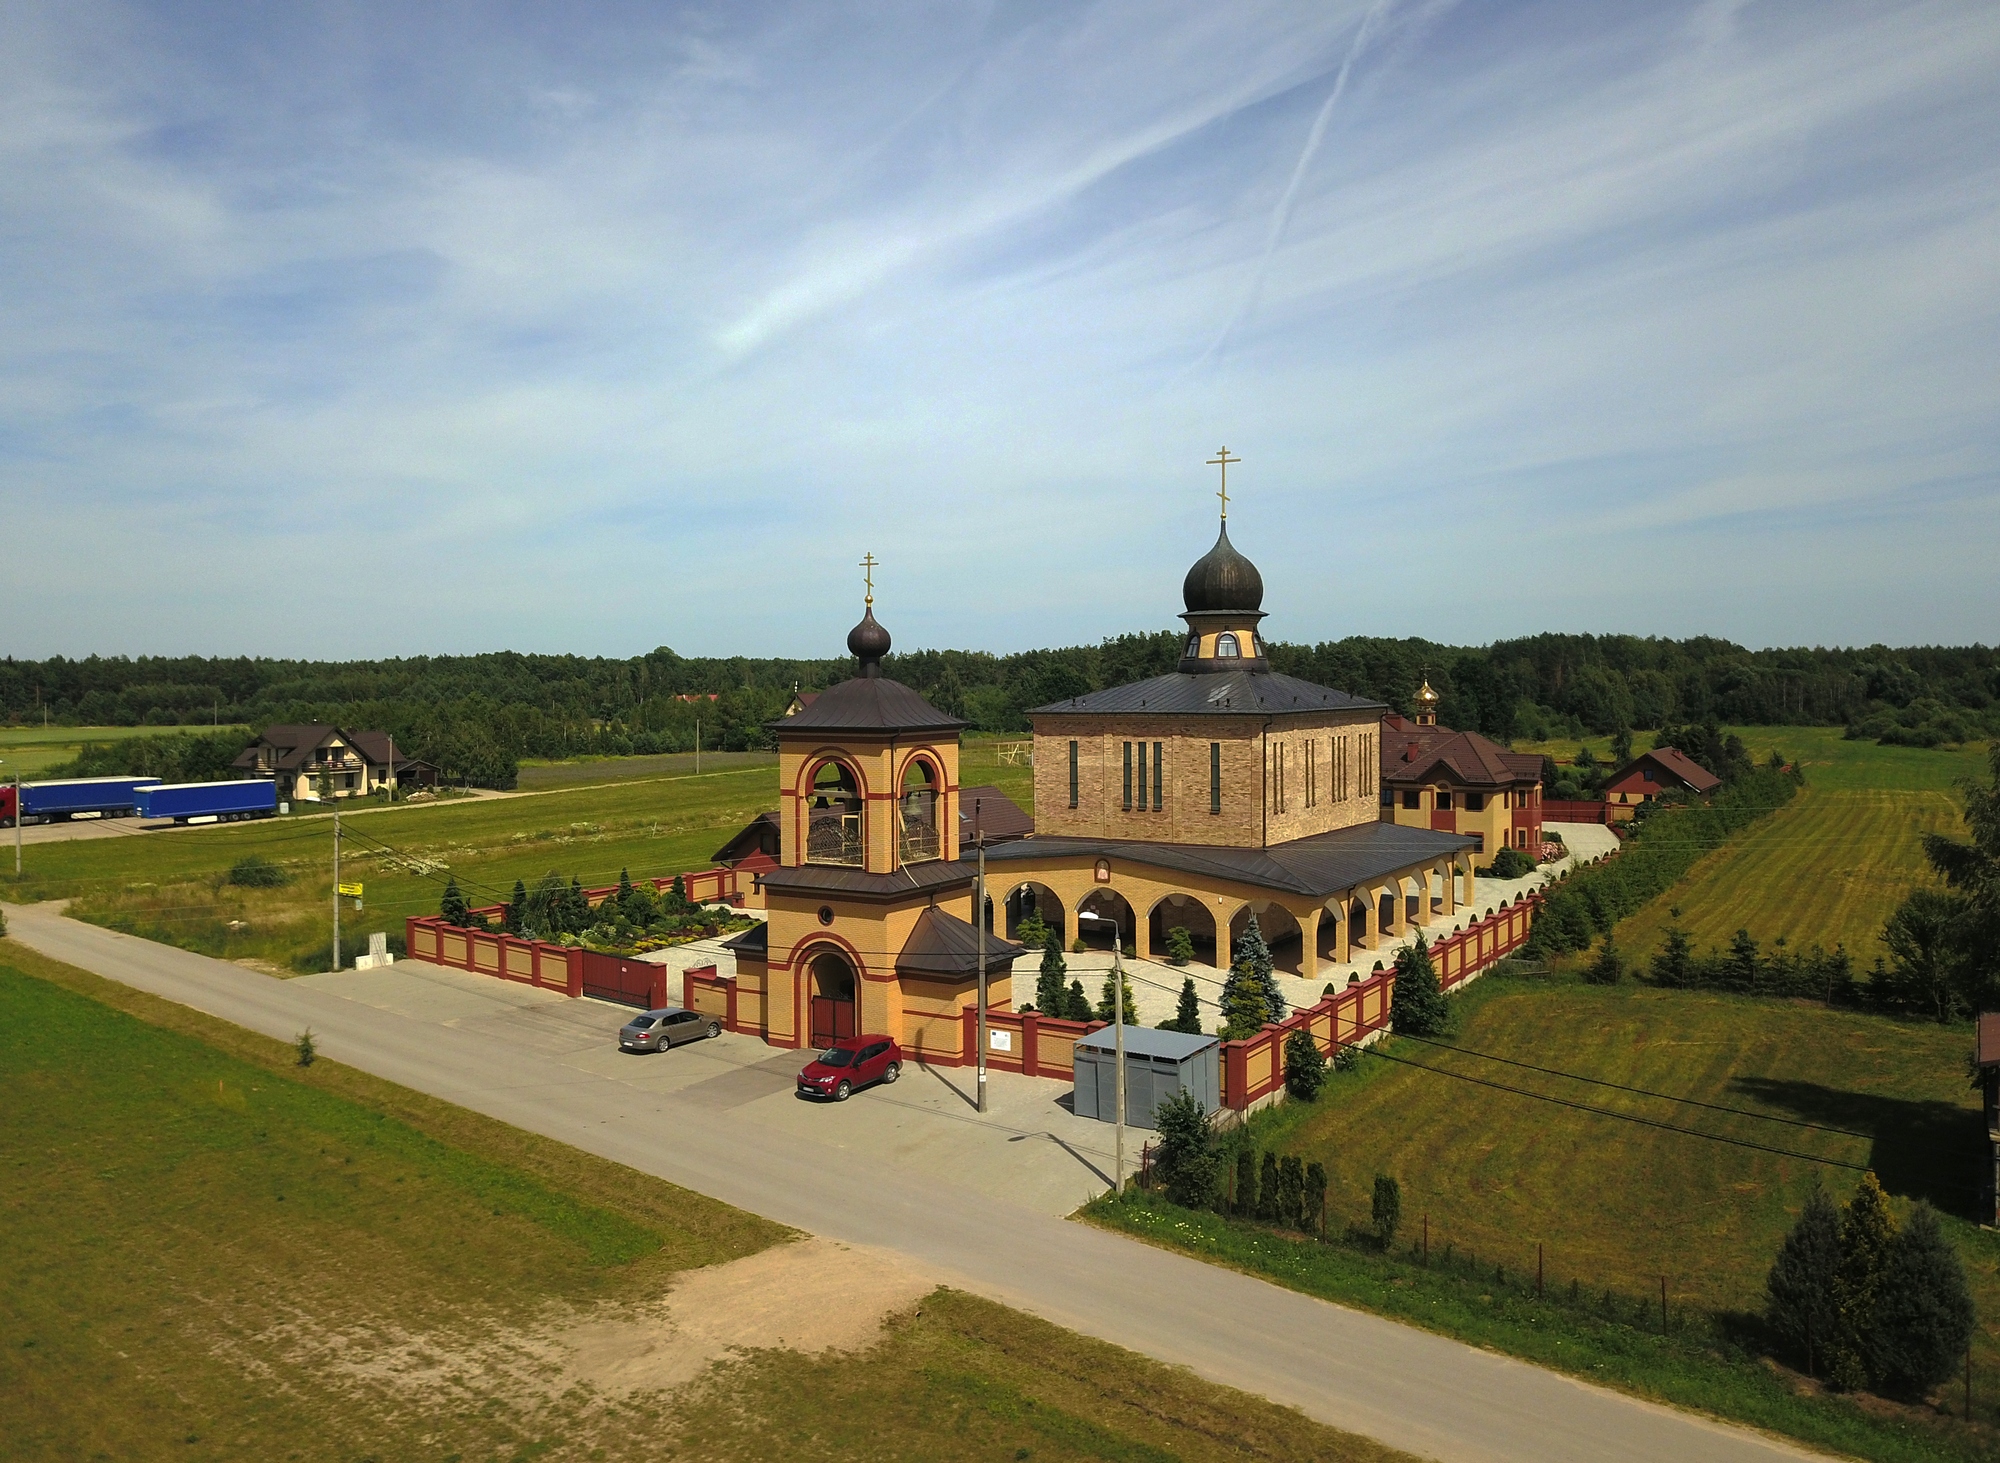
(353, 890)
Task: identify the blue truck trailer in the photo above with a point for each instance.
(55, 800)
(209, 802)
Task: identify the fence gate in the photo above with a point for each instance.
(629, 982)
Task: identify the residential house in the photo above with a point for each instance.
(1645, 777)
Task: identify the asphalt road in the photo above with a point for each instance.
(1404, 1386)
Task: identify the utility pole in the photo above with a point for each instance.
(392, 767)
(697, 746)
(336, 884)
(979, 920)
(17, 822)
(1118, 1042)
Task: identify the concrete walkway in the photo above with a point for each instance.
(1407, 1387)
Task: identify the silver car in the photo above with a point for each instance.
(669, 1026)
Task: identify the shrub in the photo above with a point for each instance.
(1315, 1210)
(1076, 1005)
(3, 924)
(306, 1046)
(1305, 1066)
(1108, 1001)
(1386, 1209)
(257, 872)
(1292, 1191)
(1033, 931)
(1078, 946)
(1923, 1311)
(1051, 996)
(1180, 946)
(1867, 1235)
(1246, 1180)
(452, 908)
(1188, 1163)
(1508, 863)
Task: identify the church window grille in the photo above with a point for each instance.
(1226, 647)
(1159, 780)
(1215, 777)
(1128, 777)
(1072, 773)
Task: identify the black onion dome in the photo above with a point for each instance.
(870, 642)
(1223, 579)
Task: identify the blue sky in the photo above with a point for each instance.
(351, 331)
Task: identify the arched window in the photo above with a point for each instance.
(833, 817)
(917, 811)
(1226, 647)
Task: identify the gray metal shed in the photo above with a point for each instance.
(1158, 1064)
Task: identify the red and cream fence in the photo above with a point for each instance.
(1253, 1069)
(566, 968)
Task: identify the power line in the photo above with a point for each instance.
(1741, 1112)
(1620, 1116)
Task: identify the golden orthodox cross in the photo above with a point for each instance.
(868, 563)
(1222, 460)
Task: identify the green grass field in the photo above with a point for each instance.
(169, 886)
(1616, 1204)
(215, 1254)
(1832, 865)
(32, 750)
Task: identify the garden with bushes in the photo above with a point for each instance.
(632, 919)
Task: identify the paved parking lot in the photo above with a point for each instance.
(1028, 1148)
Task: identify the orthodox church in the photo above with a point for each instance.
(1190, 801)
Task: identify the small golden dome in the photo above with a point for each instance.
(1426, 695)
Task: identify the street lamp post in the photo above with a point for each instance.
(1118, 1043)
(979, 922)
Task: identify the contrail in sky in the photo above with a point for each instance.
(1282, 214)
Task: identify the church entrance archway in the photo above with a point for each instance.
(1188, 912)
(1026, 899)
(832, 998)
(1104, 917)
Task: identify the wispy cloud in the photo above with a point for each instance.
(552, 335)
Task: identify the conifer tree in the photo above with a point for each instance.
(1180, 945)
(1609, 966)
(1187, 1014)
(1076, 1004)
(1244, 1009)
(517, 907)
(1867, 1232)
(1051, 999)
(575, 908)
(1246, 1180)
(624, 886)
(1315, 1213)
(1188, 1162)
(1673, 962)
(1105, 1002)
(1923, 1310)
(1252, 950)
(1802, 1302)
(1267, 1188)
(1418, 1006)
(1292, 1191)
(452, 907)
(1305, 1066)
(1386, 1208)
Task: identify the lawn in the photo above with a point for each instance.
(1618, 1205)
(1829, 867)
(32, 750)
(213, 1253)
(169, 886)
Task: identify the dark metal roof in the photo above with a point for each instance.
(1318, 866)
(1000, 817)
(748, 840)
(754, 942)
(839, 879)
(1221, 693)
(1149, 1041)
(945, 945)
(867, 703)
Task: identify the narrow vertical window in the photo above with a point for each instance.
(1072, 774)
(1128, 777)
(1142, 777)
(1159, 780)
(1215, 777)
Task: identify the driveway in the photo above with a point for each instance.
(1409, 1388)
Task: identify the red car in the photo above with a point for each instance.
(851, 1062)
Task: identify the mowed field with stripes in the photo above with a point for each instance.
(1832, 865)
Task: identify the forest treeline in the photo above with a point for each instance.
(484, 711)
